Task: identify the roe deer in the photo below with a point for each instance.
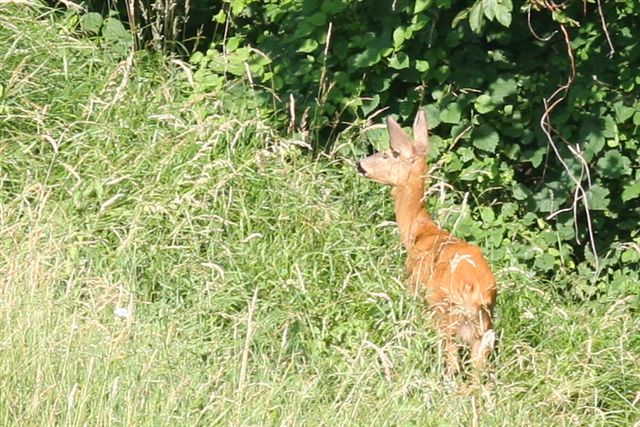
(450, 274)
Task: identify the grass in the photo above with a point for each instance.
(170, 260)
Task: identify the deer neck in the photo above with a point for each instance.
(411, 217)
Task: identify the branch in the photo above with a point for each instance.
(550, 103)
(612, 51)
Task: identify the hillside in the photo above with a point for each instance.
(168, 258)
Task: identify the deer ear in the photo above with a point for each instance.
(421, 133)
(400, 141)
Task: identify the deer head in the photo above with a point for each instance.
(403, 159)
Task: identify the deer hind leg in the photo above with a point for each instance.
(481, 349)
(484, 340)
(448, 328)
(452, 357)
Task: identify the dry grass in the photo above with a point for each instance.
(165, 261)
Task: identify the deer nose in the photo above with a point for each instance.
(361, 169)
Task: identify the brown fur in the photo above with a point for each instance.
(450, 274)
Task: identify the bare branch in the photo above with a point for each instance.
(550, 103)
(533, 32)
(612, 51)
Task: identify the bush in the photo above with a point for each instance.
(539, 131)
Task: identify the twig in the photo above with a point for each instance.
(323, 89)
(550, 103)
(131, 15)
(532, 31)
(459, 137)
(612, 51)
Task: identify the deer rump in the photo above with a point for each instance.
(457, 284)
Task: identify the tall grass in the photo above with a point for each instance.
(166, 260)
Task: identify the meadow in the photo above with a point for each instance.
(169, 258)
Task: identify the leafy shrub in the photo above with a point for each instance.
(109, 30)
(487, 73)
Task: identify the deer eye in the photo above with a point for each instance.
(395, 154)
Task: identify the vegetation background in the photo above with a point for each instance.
(184, 240)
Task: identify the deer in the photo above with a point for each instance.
(451, 275)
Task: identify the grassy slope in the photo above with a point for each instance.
(264, 287)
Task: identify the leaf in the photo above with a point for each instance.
(233, 43)
(497, 235)
(566, 230)
(488, 8)
(631, 191)
(460, 17)
(483, 104)
(534, 156)
(544, 200)
(476, 17)
(398, 37)
(421, 6)
(308, 45)
(610, 127)
(630, 255)
(508, 210)
(331, 7)
(485, 138)
(91, 22)
(399, 61)
(466, 154)
(370, 104)
(379, 138)
(598, 197)
(220, 17)
(623, 113)
(235, 66)
(487, 215)
(197, 57)
(422, 66)
(241, 55)
(544, 262)
(436, 146)
(451, 114)
(453, 163)
(503, 15)
(591, 132)
(503, 88)
(303, 30)
(365, 59)
(614, 165)
(259, 60)
(433, 115)
(237, 6)
(318, 19)
(520, 192)
(114, 31)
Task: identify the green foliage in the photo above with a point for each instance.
(168, 259)
(481, 71)
(111, 31)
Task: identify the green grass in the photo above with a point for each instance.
(264, 287)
